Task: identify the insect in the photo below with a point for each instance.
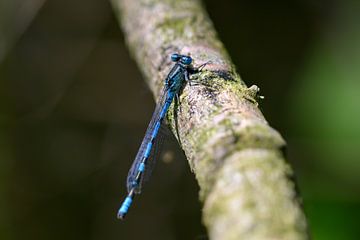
(144, 160)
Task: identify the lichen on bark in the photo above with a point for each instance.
(236, 156)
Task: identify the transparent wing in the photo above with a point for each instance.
(133, 172)
(155, 151)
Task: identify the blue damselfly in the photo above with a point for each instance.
(140, 169)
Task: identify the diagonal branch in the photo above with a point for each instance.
(236, 156)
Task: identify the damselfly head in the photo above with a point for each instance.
(186, 60)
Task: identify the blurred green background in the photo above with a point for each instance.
(74, 108)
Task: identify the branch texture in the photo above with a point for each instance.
(236, 156)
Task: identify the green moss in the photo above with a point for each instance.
(255, 136)
(174, 26)
(274, 182)
(258, 136)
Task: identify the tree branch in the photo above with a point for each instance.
(236, 156)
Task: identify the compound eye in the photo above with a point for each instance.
(175, 57)
(186, 60)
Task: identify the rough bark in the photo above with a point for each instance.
(236, 156)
